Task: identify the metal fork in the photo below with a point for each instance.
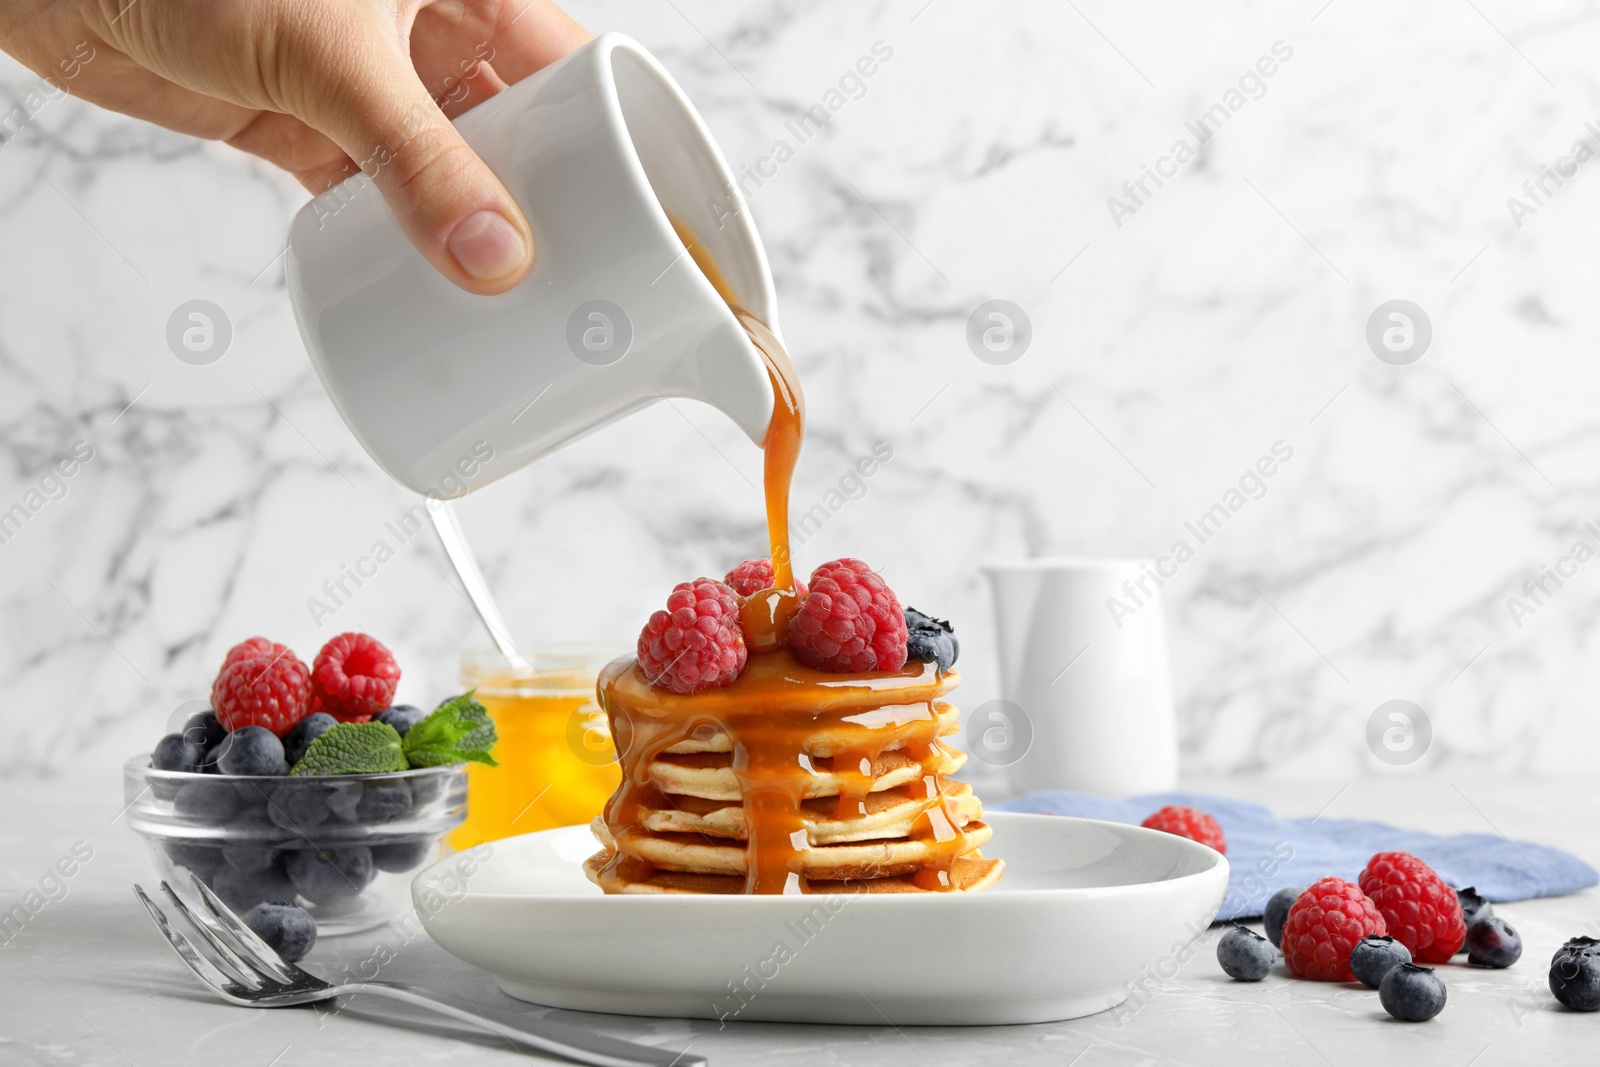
(243, 969)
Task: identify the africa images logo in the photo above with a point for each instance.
(1252, 85)
(1252, 485)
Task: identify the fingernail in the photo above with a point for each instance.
(487, 246)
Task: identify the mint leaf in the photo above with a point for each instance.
(457, 730)
(353, 748)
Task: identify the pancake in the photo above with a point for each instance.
(780, 685)
(695, 854)
(971, 874)
(885, 725)
(786, 775)
(880, 815)
(711, 775)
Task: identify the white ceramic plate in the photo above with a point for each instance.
(1084, 906)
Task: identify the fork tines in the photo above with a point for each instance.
(228, 955)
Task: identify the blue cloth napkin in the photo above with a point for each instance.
(1267, 853)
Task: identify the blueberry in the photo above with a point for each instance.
(1575, 974)
(1492, 942)
(426, 788)
(1375, 956)
(930, 640)
(298, 805)
(330, 876)
(289, 930)
(205, 801)
(198, 858)
(1473, 908)
(173, 753)
(242, 890)
(252, 810)
(208, 762)
(383, 801)
(253, 750)
(204, 730)
(343, 797)
(307, 730)
(251, 820)
(402, 717)
(1412, 994)
(250, 859)
(252, 791)
(1245, 954)
(1473, 905)
(402, 856)
(1277, 911)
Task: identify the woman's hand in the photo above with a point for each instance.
(322, 88)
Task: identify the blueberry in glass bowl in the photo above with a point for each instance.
(342, 846)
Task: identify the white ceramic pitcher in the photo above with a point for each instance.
(1091, 688)
(447, 390)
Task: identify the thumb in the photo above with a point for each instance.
(448, 201)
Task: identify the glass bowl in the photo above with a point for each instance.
(342, 846)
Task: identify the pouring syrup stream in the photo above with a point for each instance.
(766, 615)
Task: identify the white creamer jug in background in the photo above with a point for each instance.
(599, 149)
(1094, 692)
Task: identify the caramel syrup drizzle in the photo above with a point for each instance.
(773, 709)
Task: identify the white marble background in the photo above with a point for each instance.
(1168, 354)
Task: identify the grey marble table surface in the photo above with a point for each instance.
(86, 979)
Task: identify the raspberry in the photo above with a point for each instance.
(850, 621)
(696, 642)
(254, 648)
(1192, 823)
(353, 678)
(1324, 925)
(274, 692)
(754, 575)
(1423, 913)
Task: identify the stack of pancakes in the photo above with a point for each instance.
(789, 780)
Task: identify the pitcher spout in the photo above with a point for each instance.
(725, 370)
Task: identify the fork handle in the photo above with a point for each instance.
(584, 1046)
